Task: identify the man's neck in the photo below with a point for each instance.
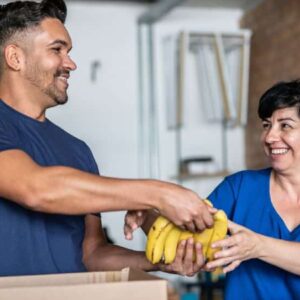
(21, 98)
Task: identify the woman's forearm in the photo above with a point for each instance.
(280, 253)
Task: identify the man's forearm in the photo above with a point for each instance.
(70, 191)
(111, 257)
(65, 190)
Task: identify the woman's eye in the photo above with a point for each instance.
(265, 125)
(285, 126)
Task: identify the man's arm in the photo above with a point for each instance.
(99, 255)
(66, 190)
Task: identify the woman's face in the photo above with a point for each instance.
(281, 139)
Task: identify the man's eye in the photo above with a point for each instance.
(57, 49)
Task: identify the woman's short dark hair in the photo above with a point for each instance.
(281, 95)
(18, 16)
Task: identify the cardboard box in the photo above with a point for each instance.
(114, 285)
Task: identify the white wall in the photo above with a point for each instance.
(198, 136)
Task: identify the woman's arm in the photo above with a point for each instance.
(244, 244)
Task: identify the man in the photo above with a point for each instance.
(50, 189)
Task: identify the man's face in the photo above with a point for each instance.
(47, 64)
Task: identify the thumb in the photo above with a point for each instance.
(233, 227)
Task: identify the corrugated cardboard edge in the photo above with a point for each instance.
(114, 285)
(65, 279)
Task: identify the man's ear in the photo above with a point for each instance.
(14, 57)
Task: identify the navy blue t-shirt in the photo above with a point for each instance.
(33, 242)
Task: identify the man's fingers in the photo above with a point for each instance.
(199, 256)
(189, 250)
(199, 225)
(208, 219)
(191, 226)
(180, 251)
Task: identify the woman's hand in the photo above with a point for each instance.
(132, 221)
(184, 263)
(242, 245)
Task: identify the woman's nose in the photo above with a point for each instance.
(272, 135)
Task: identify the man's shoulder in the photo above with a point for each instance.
(63, 135)
(6, 122)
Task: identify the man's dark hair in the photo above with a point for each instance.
(19, 16)
(281, 95)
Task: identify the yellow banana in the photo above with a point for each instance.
(164, 236)
(185, 235)
(158, 249)
(219, 232)
(204, 238)
(171, 245)
(154, 233)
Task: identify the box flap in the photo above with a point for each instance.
(82, 286)
(138, 275)
(65, 279)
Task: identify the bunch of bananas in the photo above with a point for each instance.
(164, 236)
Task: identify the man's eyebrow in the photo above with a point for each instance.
(60, 42)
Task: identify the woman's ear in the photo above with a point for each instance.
(13, 57)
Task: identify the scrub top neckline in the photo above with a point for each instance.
(275, 212)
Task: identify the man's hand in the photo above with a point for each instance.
(184, 263)
(186, 209)
(240, 246)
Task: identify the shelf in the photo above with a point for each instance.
(188, 176)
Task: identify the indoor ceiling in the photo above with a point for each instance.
(242, 4)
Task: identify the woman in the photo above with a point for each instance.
(263, 257)
(262, 253)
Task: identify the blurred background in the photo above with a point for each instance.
(169, 89)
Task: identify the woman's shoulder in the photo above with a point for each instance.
(250, 175)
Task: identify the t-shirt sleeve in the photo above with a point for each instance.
(92, 165)
(8, 137)
(225, 194)
(93, 168)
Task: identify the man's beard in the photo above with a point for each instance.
(36, 76)
(53, 92)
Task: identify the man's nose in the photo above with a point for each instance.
(70, 64)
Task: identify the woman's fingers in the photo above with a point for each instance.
(231, 266)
